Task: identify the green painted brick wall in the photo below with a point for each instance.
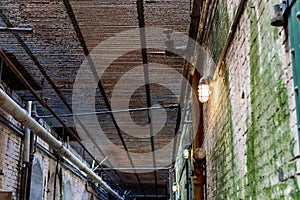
(252, 151)
(219, 30)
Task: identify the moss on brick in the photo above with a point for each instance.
(219, 30)
(275, 34)
(227, 183)
(269, 117)
(269, 144)
(254, 70)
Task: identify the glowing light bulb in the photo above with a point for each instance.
(203, 92)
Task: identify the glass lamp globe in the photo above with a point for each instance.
(203, 92)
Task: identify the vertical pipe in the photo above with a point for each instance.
(25, 171)
(27, 136)
(199, 180)
(171, 181)
(187, 179)
(197, 113)
(31, 151)
(55, 177)
(175, 181)
(194, 25)
(23, 181)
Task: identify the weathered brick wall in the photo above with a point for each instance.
(69, 185)
(219, 29)
(185, 138)
(250, 124)
(181, 168)
(9, 160)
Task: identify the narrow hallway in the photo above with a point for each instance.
(149, 100)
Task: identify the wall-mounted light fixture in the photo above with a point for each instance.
(203, 89)
(175, 187)
(280, 13)
(186, 154)
(278, 19)
(186, 151)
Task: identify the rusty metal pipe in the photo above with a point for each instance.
(203, 22)
(232, 31)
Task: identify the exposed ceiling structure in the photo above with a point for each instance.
(107, 81)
